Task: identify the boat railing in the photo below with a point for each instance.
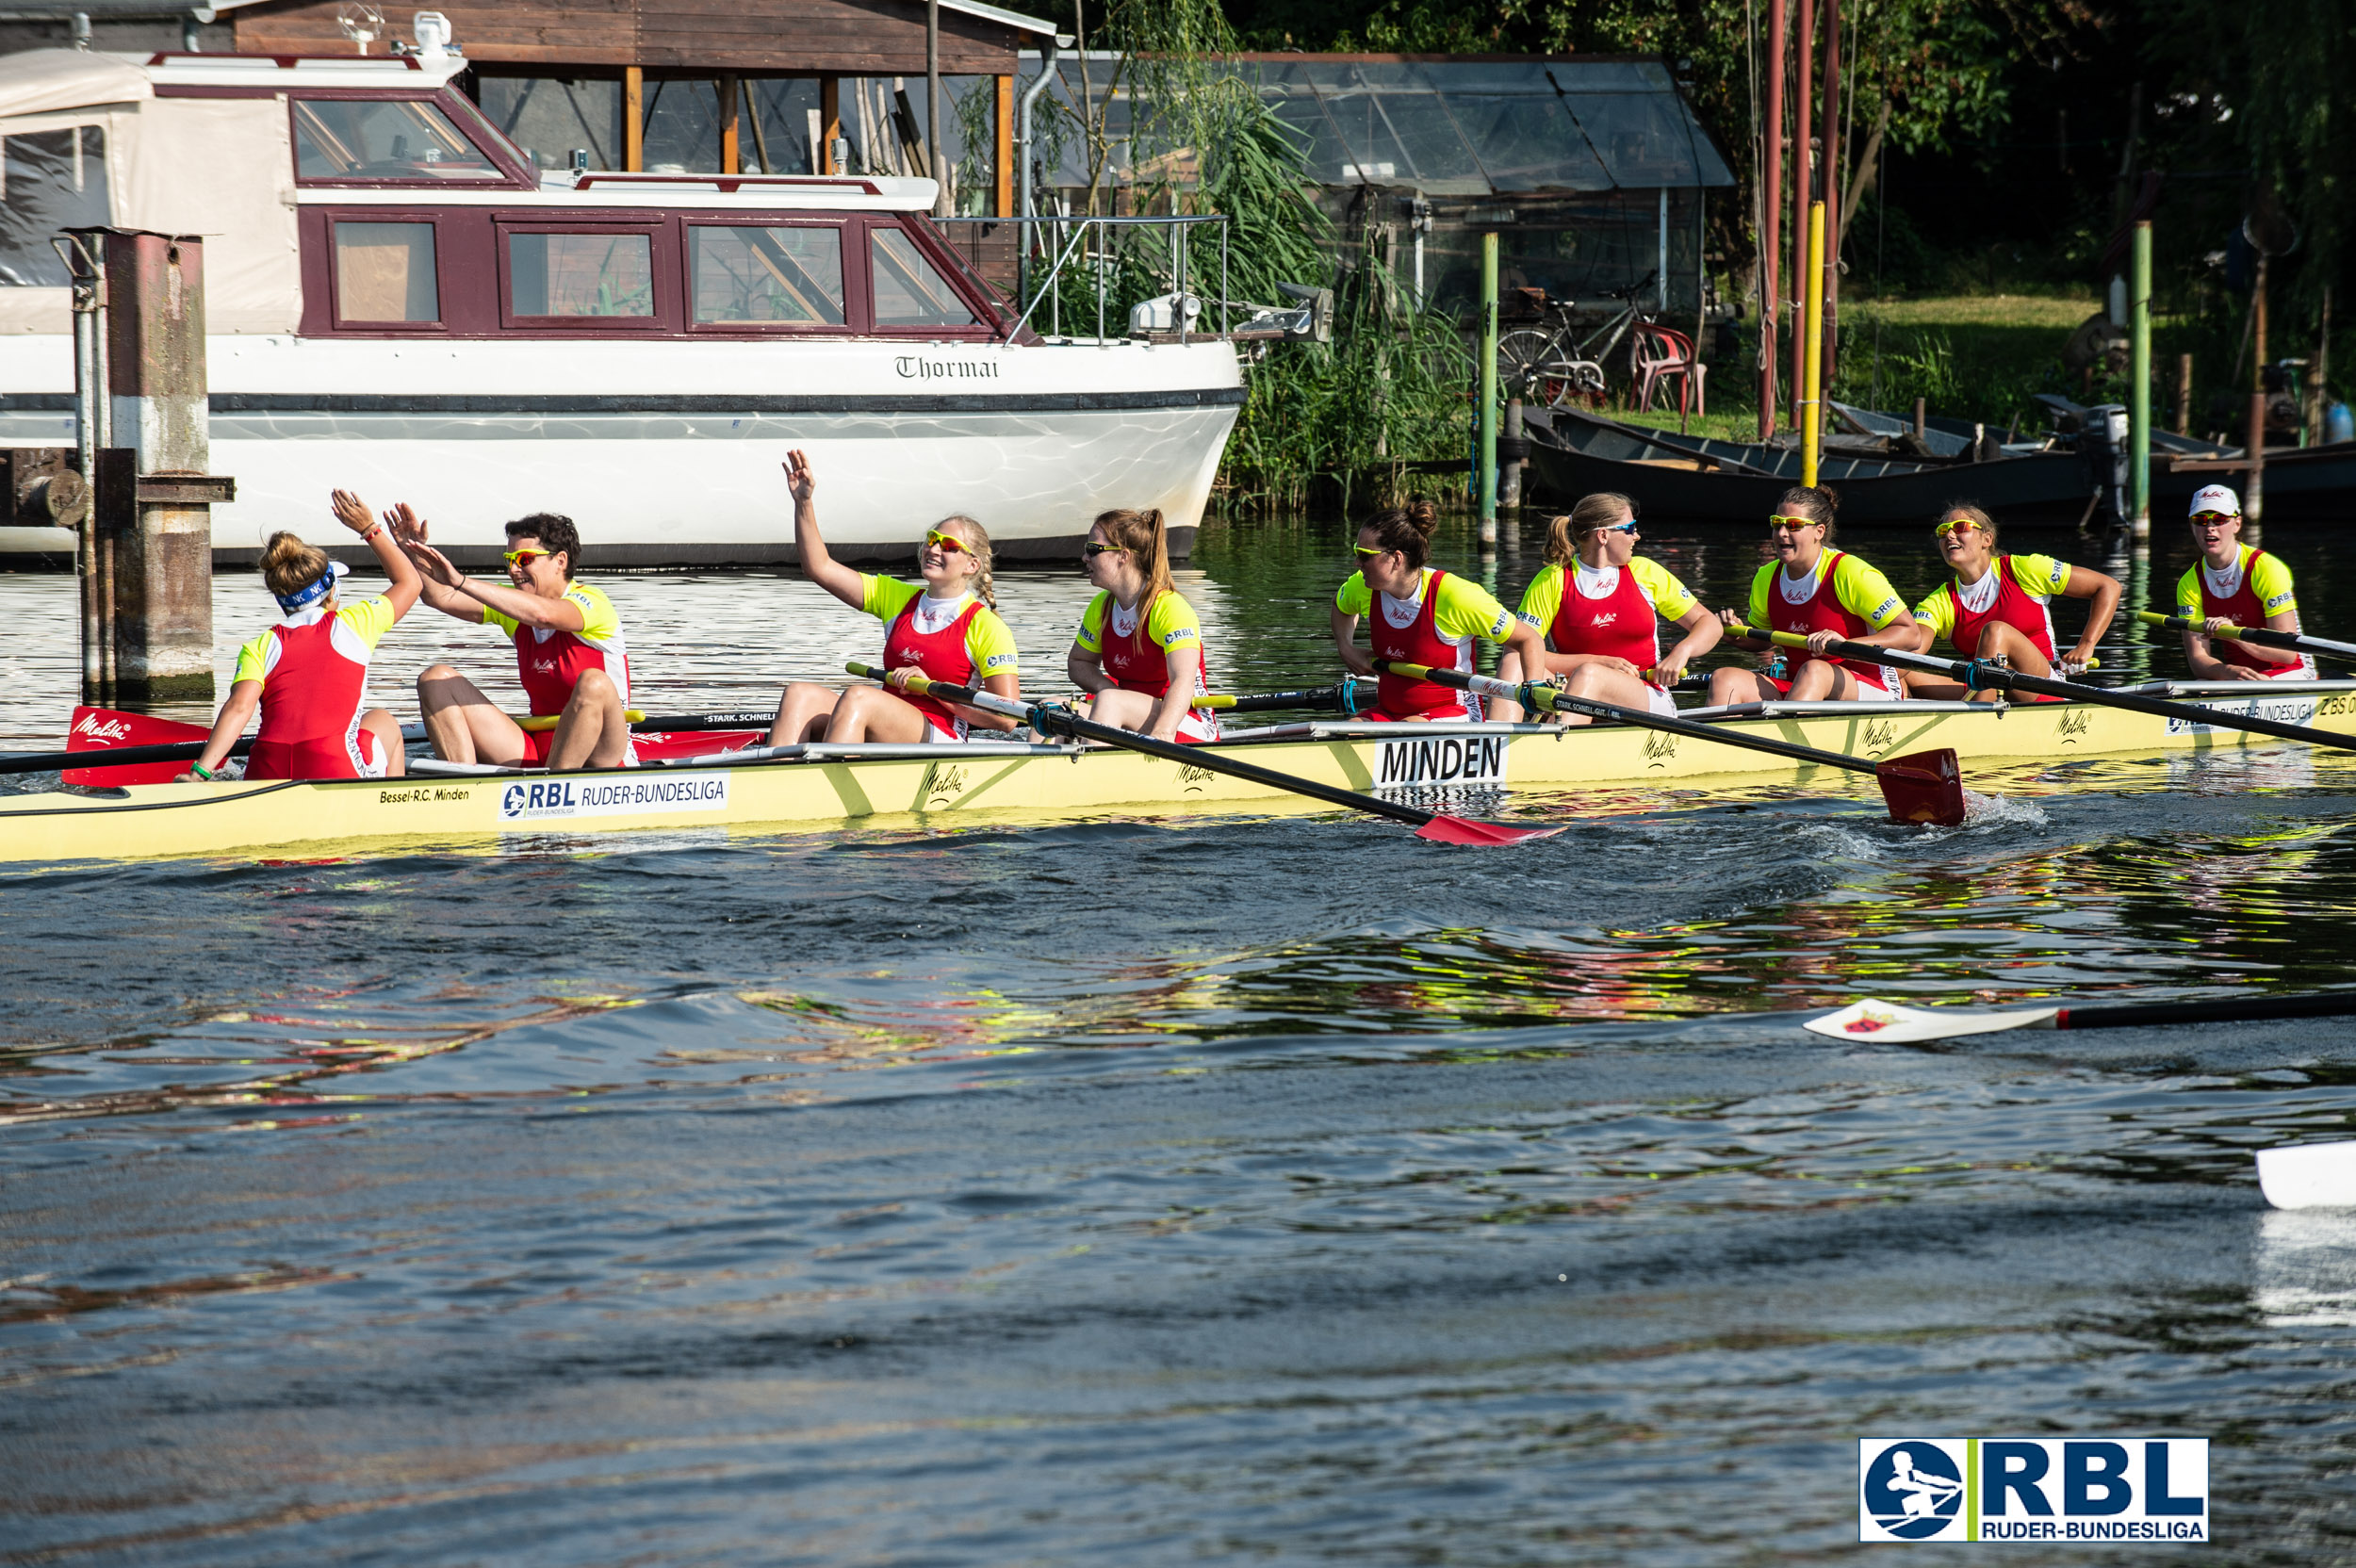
(1148, 267)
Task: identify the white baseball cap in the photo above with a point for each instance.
(2216, 498)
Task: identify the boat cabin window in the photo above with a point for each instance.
(384, 139)
(49, 181)
(384, 272)
(581, 276)
(908, 292)
(766, 276)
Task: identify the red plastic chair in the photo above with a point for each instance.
(1664, 354)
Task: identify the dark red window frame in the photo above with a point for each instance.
(945, 261)
(854, 310)
(461, 113)
(663, 257)
(439, 326)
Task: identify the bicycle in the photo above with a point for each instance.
(1551, 368)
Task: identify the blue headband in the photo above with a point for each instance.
(311, 592)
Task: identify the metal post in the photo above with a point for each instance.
(1803, 101)
(1486, 482)
(1771, 222)
(1509, 482)
(1662, 271)
(932, 109)
(1829, 139)
(1178, 233)
(85, 264)
(1812, 345)
(1027, 231)
(2139, 382)
(2253, 493)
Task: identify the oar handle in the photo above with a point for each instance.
(1055, 720)
(1978, 673)
(1344, 698)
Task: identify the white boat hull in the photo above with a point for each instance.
(670, 453)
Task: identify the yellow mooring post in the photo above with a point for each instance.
(1812, 394)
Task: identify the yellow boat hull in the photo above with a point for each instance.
(949, 784)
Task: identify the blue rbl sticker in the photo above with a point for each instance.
(2079, 1490)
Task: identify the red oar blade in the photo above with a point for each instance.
(105, 729)
(1927, 787)
(1466, 830)
(669, 744)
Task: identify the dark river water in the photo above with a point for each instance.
(1160, 1190)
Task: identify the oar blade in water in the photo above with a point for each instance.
(1927, 787)
(1468, 830)
(1886, 1022)
(2309, 1176)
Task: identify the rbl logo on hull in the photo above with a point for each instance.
(2087, 1491)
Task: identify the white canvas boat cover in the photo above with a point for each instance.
(40, 80)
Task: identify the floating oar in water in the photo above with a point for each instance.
(2309, 1176)
(1888, 1022)
(1052, 720)
(1927, 787)
(2344, 653)
(1977, 674)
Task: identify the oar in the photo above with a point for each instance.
(1888, 1022)
(1976, 673)
(1927, 787)
(2342, 652)
(111, 757)
(1049, 719)
(1348, 697)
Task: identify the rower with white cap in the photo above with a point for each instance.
(2235, 584)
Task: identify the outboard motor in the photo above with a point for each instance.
(2102, 442)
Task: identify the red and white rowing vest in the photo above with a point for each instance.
(2011, 604)
(1822, 610)
(2243, 608)
(935, 655)
(1417, 643)
(311, 709)
(1620, 625)
(550, 667)
(1136, 662)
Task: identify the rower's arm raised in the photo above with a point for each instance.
(817, 565)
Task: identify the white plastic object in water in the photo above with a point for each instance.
(2309, 1176)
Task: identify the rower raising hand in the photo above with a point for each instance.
(407, 525)
(799, 480)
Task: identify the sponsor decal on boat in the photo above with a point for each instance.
(2086, 1491)
(917, 367)
(2079, 722)
(1443, 759)
(2283, 710)
(108, 730)
(555, 798)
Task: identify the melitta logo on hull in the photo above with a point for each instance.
(917, 367)
(2081, 1490)
(557, 798)
(1443, 759)
(2285, 709)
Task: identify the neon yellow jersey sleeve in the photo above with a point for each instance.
(2189, 594)
(599, 621)
(2040, 574)
(990, 645)
(1465, 609)
(1091, 634)
(253, 660)
(1937, 611)
(369, 620)
(1762, 584)
(2272, 581)
(507, 624)
(886, 597)
(1864, 591)
(1355, 598)
(1670, 597)
(1173, 623)
(1542, 600)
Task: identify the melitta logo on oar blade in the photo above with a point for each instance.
(110, 730)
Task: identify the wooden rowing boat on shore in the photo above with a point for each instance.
(832, 786)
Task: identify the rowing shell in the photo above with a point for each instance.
(821, 785)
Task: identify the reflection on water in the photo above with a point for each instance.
(1157, 1190)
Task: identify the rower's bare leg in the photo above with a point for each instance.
(1123, 709)
(463, 725)
(387, 729)
(2003, 640)
(872, 713)
(1502, 709)
(594, 729)
(1598, 683)
(1730, 683)
(803, 713)
(1933, 688)
(1821, 681)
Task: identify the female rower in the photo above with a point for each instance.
(1421, 615)
(1829, 597)
(1596, 601)
(2235, 584)
(1140, 651)
(945, 629)
(1997, 607)
(309, 674)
